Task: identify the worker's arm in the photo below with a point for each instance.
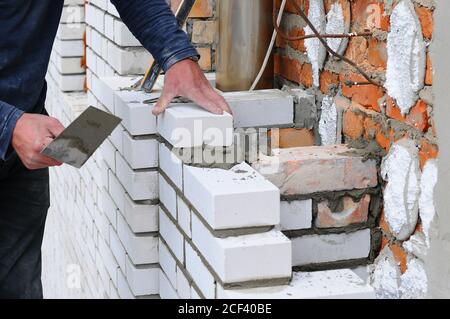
(8, 119)
(154, 25)
(27, 134)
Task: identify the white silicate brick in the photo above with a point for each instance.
(136, 116)
(142, 249)
(123, 289)
(183, 286)
(188, 125)
(235, 198)
(184, 216)
(166, 291)
(123, 36)
(140, 185)
(128, 61)
(296, 214)
(333, 247)
(168, 196)
(69, 48)
(244, 258)
(168, 263)
(117, 248)
(261, 108)
(143, 280)
(171, 235)
(329, 284)
(71, 31)
(171, 165)
(200, 273)
(140, 152)
(140, 216)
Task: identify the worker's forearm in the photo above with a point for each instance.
(8, 119)
(154, 25)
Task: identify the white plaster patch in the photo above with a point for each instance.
(328, 122)
(426, 199)
(413, 283)
(385, 274)
(400, 168)
(336, 25)
(416, 245)
(406, 63)
(315, 50)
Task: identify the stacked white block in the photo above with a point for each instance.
(67, 63)
(216, 225)
(131, 193)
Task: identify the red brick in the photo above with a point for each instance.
(328, 79)
(366, 95)
(353, 124)
(366, 13)
(417, 116)
(426, 20)
(293, 70)
(427, 151)
(352, 213)
(201, 9)
(306, 170)
(377, 53)
(429, 71)
(292, 137)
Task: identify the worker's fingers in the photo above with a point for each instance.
(163, 102)
(199, 97)
(43, 161)
(54, 127)
(218, 99)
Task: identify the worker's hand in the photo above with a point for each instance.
(186, 79)
(31, 135)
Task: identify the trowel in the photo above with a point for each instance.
(76, 144)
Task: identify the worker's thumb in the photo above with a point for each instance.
(162, 103)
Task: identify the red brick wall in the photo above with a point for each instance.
(202, 28)
(369, 113)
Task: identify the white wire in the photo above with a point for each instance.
(269, 51)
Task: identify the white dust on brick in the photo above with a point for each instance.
(336, 25)
(315, 50)
(328, 121)
(416, 245)
(426, 199)
(406, 57)
(385, 274)
(413, 283)
(400, 168)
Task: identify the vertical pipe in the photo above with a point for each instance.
(245, 30)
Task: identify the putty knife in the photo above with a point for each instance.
(76, 144)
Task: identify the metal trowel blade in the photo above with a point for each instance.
(76, 144)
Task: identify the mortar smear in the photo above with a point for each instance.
(426, 199)
(336, 25)
(413, 283)
(315, 50)
(328, 122)
(406, 63)
(385, 274)
(400, 168)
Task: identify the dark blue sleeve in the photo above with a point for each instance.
(154, 25)
(8, 119)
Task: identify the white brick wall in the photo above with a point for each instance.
(107, 219)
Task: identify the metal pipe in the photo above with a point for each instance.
(245, 30)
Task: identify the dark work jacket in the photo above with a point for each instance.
(27, 32)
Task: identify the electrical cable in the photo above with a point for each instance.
(269, 50)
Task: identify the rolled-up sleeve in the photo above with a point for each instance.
(8, 119)
(154, 25)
